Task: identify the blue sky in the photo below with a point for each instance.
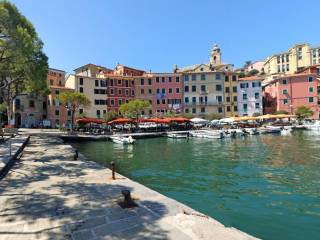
(156, 34)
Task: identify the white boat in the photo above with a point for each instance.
(250, 131)
(273, 129)
(122, 140)
(206, 134)
(177, 135)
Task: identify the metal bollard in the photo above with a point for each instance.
(113, 168)
(76, 155)
(127, 202)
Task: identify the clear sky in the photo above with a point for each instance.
(156, 34)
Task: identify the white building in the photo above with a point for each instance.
(249, 96)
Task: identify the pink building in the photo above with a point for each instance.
(167, 91)
(288, 92)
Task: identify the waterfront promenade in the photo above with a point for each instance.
(48, 195)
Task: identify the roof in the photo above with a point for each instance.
(57, 70)
(129, 68)
(252, 78)
(91, 64)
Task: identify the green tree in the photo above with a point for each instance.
(72, 101)
(109, 116)
(23, 65)
(281, 112)
(256, 114)
(303, 112)
(252, 72)
(187, 115)
(134, 108)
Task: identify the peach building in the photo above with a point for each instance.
(289, 92)
(57, 114)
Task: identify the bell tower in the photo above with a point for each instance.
(215, 56)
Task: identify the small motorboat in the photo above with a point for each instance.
(273, 129)
(250, 131)
(122, 140)
(177, 135)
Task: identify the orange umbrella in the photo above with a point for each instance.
(90, 120)
(178, 119)
(121, 121)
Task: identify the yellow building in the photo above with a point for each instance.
(230, 94)
(296, 58)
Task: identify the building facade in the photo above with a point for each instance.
(231, 94)
(296, 58)
(287, 93)
(249, 96)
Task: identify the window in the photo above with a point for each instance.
(103, 83)
(235, 108)
(235, 98)
(127, 92)
(244, 96)
(228, 108)
(203, 76)
(226, 78)
(81, 81)
(186, 99)
(119, 102)
(111, 91)
(244, 85)
(163, 79)
(255, 84)
(186, 88)
(194, 110)
(163, 101)
(310, 79)
(149, 81)
(112, 102)
(186, 110)
(234, 89)
(57, 112)
(218, 87)
(220, 109)
(31, 104)
(279, 68)
(219, 99)
(170, 90)
(150, 91)
(111, 82)
(80, 111)
(96, 82)
(142, 81)
(127, 83)
(194, 88)
(132, 92)
(285, 101)
(203, 109)
(284, 91)
(142, 91)
(51, 82)
(227, 89)
(311, 89)
(81, 89)
(158, 90)
(157, 79)
(256, 95)
(257, 105)
(218, 76)
(245, 107)
(186, 78)
(119, 92)
(119, 82)
(194, 77)
(177, 79)
(177, 90)
(194, 99)
(234, 78)
(170, 79)
(98, 113)
(203, 88)
(163, 90)
(284, 81)
(310, 99)
(227, 99)
(104, 112)
(200, 99)
(288, 67)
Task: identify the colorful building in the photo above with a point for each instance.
(249, 96)
(57, 114)
(230, 94)
(296, 58)
(287, 93)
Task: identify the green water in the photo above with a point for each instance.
(267, 186)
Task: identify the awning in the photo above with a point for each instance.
(90, 120)
(121, 121)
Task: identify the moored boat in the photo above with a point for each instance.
(177, 135)
(122, 140)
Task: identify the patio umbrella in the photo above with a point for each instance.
(90, 120)
(198, 120)
(178, 119)
(121, 121)
(285, 116)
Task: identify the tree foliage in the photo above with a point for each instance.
(252, 72)
(281, 112)
(23, 65)
(111, 115)
(134, 108)
(72, 101)
(214, 116)
(256, 114)
(303, 112)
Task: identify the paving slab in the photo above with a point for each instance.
(48, 195)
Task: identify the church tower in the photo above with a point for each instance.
(215, 56)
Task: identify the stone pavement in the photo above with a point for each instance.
(15, 143)
(48, 195)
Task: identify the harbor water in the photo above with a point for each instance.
(267, 185)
